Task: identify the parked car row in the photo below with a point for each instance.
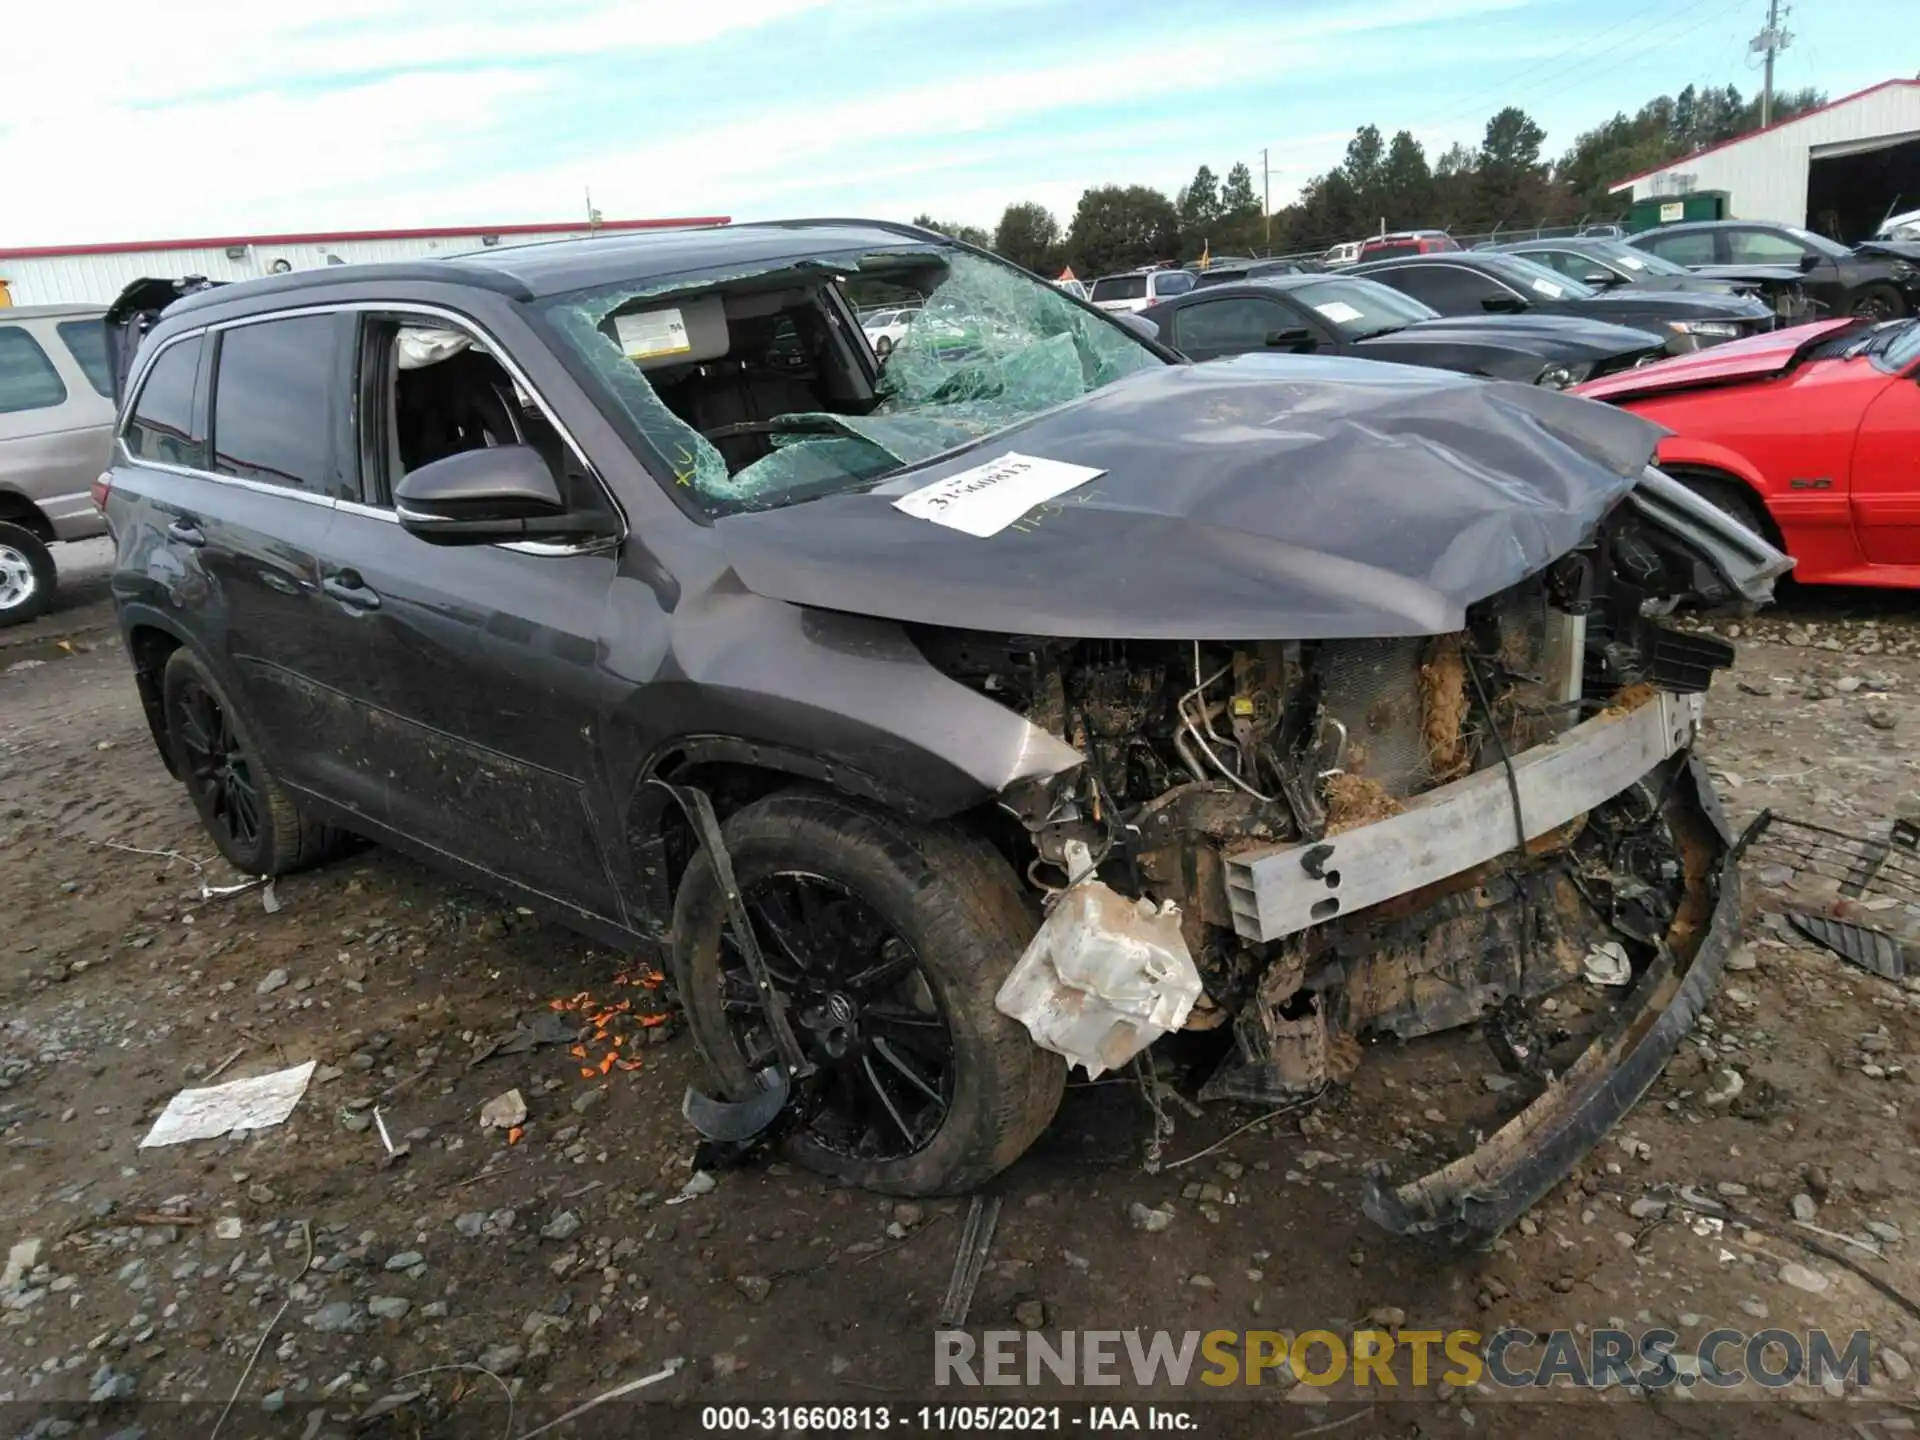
(1805, 432)
(1348, 314)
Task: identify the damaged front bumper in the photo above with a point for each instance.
(1276, 892)
(1478, 1195)
(1281, 890)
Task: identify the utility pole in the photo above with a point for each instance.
(1266, 199)
(1770, 42)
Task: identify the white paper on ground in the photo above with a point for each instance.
(988, 498)
(254, 1104)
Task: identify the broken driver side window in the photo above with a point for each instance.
(430, 390)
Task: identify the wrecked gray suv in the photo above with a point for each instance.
(952, 719)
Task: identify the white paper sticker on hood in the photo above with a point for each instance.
(988, 498)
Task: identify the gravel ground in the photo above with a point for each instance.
(587, 1252)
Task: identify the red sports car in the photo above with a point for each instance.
(1811, 435)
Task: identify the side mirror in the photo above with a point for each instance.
(1294, 337)
(1602, 279)
(1503, 304)
(1808, 263)
(482, 497)
(1139, 324)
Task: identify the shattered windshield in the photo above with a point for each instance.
(757, 394)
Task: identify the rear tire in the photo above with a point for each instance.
(951, 921)
(27, 575)
(257, 825)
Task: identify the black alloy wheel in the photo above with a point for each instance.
(861, 1007)
(259, 825)
(218, 771)
(888, 940)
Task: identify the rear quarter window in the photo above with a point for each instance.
(160, 428)
(86, 341)
(28, 380)
(1690, 247)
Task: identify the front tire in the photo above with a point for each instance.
(257, 825)
(1879, 302)
(27, 576)
(889, 941)
(1734, 500)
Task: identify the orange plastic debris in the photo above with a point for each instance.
(649, 1021)
(579, 1052)
(606, 1063)
(513, 1135)
(587, 1072)
(629, 1064)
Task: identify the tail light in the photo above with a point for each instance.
(102, 487)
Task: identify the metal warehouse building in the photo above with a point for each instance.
(1838, 169)
(95, 274)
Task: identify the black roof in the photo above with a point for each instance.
(553, 267)
(1472, 259)
(1254, 284)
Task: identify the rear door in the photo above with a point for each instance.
(221, 494)
(472, 673)
(55, 426)
(278, 451)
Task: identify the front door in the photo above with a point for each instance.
(474, 670)
(1886, 473)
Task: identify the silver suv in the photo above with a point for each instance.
(56, 417)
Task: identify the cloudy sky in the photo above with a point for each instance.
(203, 117)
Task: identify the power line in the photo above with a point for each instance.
(1641, 43)
(1579, 48)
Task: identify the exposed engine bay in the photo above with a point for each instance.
(1207, 762)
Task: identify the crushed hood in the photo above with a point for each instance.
(1908, 250)
(1293, 497)
(1756, 358)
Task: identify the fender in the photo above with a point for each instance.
(651, 807)
(1685, 451)
(138, 615)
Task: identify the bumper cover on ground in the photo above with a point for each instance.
(1478, 1195)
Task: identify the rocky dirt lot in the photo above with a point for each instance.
(317, 1273)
